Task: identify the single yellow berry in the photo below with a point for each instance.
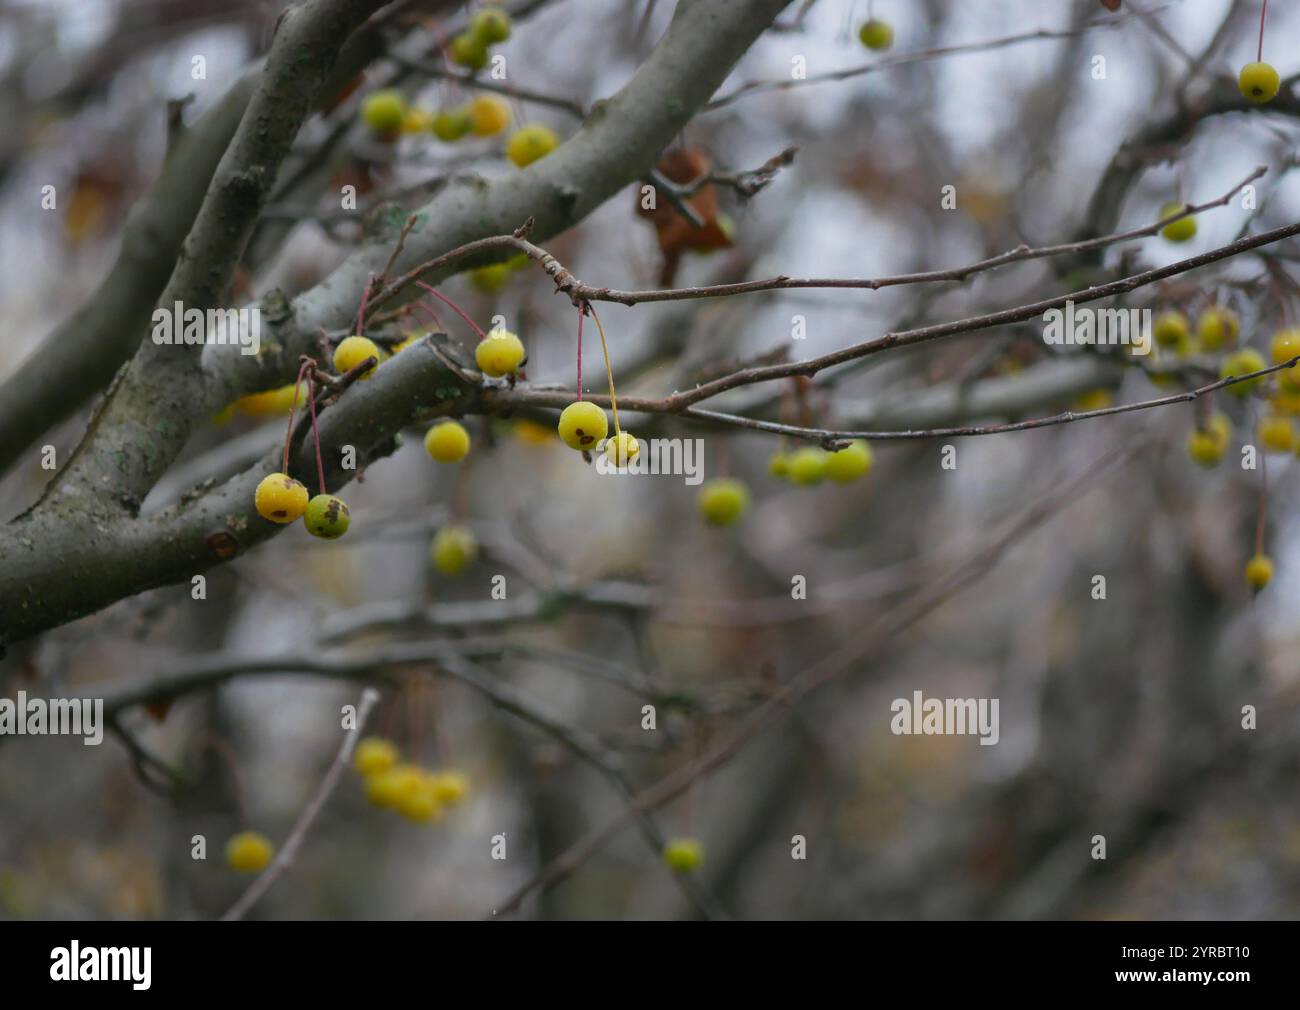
(723, 500)
(1217, 328)
(374, 755)
(383, 111)
(808, 465)
(489, 115)
(532, 433)
(249, 852)
(468, 51)
(1259, 82)
(499, 353)
(683, 855)
(1208, 444)
(417, 120)
(876, 34)
(582, 425)
(447, 442)
(267, 404)
(419, 804)
(1284, 401)
(1171, 329)
(622, 449)
(389, 788)
(528, 143)
(280, 498)
(491, 278)
(352, 351)
(849, 463)
(1242, 362)
(1284, 346)
(453, 549)
(327, 517)
(449, 787)
(779, 464)
(452, 124)
(1276, 433)
(490, 26)
(1259, 571)
(1182, 229)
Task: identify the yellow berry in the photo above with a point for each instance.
(452, 124)
(1284, 346)
(352, 351)
(532, 433)
(1284, 401)
(383, 111)
(447, 442)
(468, 51)
(1242, 362)
(683, 855)
(389, 788)
(280, 498)
(808, 466)
(528, 143)
(622, 449)
(1259, 82)
(1182, 229)
(1217, 328)
(327, 517)
(374, 755)
(453, 549)
(1171, 329)
(1259, 571)
(417, 120)
(490, 26)
(449, 787)
(779, 465)
(419, 804)
(876, 34)
(499, 353)
(1207, 445)
(489, 115)
(582, 425)
(491, 278)
(249, 852)
(1277, 433)
(267, 404)
(849, 463)
(723, 500)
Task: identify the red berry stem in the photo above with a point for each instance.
(315, 431)
(293, 410)
(1259, 55)
(365, 297)
(436, 320)
(454, 307)
(581, 313)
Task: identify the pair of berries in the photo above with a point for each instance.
(531, 142)
(811, 465)
(486, 28)
(723, 501)
(484, 116)
(249, 852)
(1182, 230)
(453, 549)
(417, 794)
(584, 425)
(282, 499)
(876, 35)
(683, 855)
(1259, 82)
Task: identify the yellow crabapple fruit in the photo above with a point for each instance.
(1242, 362)
(449, 787)
(419, 804)
(417, 120)
(383, 111)
(447, 442)
(1276, 433)
(1285, 345)
(352, 351)
(808, 465)
(489, 115)
(453, 549)
(499, 353)
(622, 448)
(1177, 231)
(280, 498)
(875, 34)
(491, 278)
(468, 51)
(528, 143)
(373, 755)
(723, 500)
(779, 464)
(249, 852)
(683, 855)
(490, 26)
(849, 463)
(1171, 329)
(1259, 571)
(1207, 445)
(1259, 82)
(582, 425)
(1217, 328)
(327, 517)
(452, 124)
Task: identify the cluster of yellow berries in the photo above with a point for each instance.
(486, 28)
(418, 794)
(812, 465)
(249, 852)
